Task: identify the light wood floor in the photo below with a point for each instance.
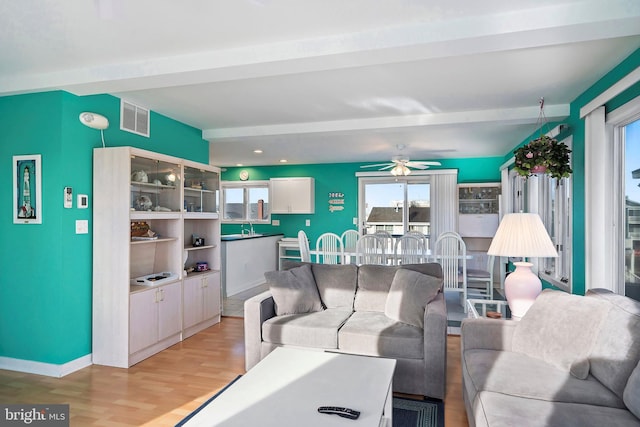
(165, 388)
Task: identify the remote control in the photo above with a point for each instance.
(352, 414)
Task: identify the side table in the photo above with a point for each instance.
(480, 307)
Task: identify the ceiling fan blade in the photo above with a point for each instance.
(430, 163)
(416, 165)
(375, 166)
(391, 166)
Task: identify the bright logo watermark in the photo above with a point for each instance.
(34, 415)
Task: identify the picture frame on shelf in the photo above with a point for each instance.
(27, 189)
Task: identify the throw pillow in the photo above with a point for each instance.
(560, 329)
(408, 296)
(294, 291)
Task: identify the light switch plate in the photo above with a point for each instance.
(82, 226)
(275, 222)
(308, 222)
(355, 221)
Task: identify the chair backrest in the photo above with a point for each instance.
(370, 250)
(387, 241)
(451, 252)
(409, 249)
(422, 236)
(329, 249)
(349, 240)
(303, 242)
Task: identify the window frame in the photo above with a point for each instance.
(246, 186)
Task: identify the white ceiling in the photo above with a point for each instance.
(316, 81)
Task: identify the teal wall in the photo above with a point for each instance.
(340, 177)
(45, 291)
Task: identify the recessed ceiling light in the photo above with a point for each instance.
(258, 151)
(283, 160)
(238, 164)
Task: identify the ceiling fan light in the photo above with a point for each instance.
(405, 170)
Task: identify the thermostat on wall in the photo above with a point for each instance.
(83, 201)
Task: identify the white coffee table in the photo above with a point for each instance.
(480, 307)
(287, 387)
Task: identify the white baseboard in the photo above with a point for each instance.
(48, 369)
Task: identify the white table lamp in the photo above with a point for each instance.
(522, 235)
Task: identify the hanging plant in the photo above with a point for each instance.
(543, 155)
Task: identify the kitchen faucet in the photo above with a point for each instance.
(251, 232)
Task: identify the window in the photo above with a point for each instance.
(245, 201)
(551, 199)
(396, 205)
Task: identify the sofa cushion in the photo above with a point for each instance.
(318, 330)
(374, 334)
(294, 291)
(374, 282)
(496, 409)
(631, 395)
(336, 284)
(409, 294)
(529, 377)
(560, 329)
(616, 351)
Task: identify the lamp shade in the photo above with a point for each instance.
(522, 235)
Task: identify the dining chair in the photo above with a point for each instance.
(387, 241)
(409, 249)
(370, 250)
(329, 249)
(303, 242)
(423, 237)
(479, 281)
(349, 241)
(451, 252)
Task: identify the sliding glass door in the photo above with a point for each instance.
(395, 205)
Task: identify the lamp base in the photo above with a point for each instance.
(521, 288)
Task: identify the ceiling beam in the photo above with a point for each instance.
(552, 25)
(525, 115)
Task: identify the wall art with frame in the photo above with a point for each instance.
(27, 189)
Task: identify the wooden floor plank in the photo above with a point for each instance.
(166, 387)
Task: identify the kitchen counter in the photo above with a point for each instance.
(246, 259)
(233, 237)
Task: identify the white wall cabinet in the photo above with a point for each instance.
(201, 298)
(292, 195)
(479, 209)
(137, 311)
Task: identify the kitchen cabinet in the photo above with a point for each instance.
(292, 195)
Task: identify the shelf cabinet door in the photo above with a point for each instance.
(292, 195)
(193, 301)
(144, 320)
(211, 295)
(169, 311)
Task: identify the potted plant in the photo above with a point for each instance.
(543, 155)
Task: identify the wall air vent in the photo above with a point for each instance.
(134, 118)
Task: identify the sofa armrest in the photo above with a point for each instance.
(257, 309)
(488, 334)
(435, 347)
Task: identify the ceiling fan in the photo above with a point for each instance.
(399, 165)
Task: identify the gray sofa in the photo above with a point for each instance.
(353, 317)
(571, 361)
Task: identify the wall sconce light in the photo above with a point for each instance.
(95, 121)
